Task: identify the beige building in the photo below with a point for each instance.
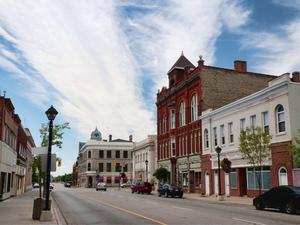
(144, 159)
(104, 160)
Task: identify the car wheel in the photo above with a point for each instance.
(259, 205)
(132, 191)
(290, 208)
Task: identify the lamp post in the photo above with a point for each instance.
(218, 151)
(146, 169)
(51, 114)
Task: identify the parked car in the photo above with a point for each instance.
(170, 190)
(101, 186)
(124, 185)
(51, 186)
(141, 187)
(284, 198)
(67, 185)
(36, 185)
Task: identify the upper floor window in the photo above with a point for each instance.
(89, 167)
(101, 154)
(206, 141)
(182, 114)
(108, 154)
(280, 119)
(222, 135)
(242, 124)
(173, 146)
(89, 154)
(117, 154)
(172, 119)
(215, 136)
(108, 167)
(194, 108)
(265, 121)
(230, 132)
(253, 121)
(125, 154)
(100, 167)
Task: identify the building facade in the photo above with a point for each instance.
(144, 159)
(275, 109)
(192, 90)
(103, 161)
(14, 152)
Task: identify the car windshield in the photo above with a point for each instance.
(296, 189)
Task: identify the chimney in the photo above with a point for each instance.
(240, 66)
(110, 138)
(130, 137)
(200, 61)
(296, 76)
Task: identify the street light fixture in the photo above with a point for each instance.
(146, 169)
(218, 151)
(51, 114)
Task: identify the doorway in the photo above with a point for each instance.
(227, 186)
(90, 182)
(207, 192)
(216, 182)
(282, 174)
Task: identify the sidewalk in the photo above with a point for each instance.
(196, 196)
(18, 210)
(232, 199)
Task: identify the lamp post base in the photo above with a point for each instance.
(221, 198)
(46, 215)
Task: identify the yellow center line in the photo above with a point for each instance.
(127, 211)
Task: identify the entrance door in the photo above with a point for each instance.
(227, 190)
(283, 180)
(90, 184)
(216, 183)
(207, 184)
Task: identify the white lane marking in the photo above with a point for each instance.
(248, 221)
(187, 209)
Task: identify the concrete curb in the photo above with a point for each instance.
(60, 219)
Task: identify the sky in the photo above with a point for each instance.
(100, 63)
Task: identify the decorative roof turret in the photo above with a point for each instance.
(181, 63)
(96, 135)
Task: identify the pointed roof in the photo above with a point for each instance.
(96, 135)
(181, 62)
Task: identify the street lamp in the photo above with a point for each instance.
(218, 151)
(146, 169)
(51, 114)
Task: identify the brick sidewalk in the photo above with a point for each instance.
(18, 210)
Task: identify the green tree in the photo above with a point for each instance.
(255, 148)
(57, 140)
(161, 174)
(295, 150)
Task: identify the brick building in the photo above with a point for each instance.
(192, 90)
(14, 152)
(276, 109)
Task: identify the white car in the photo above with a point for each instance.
(101, 186)
(36, 185)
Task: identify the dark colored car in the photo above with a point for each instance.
(284, 198)
(141, 187)
(170, 190)
(67, 185)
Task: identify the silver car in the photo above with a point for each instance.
(101, 186)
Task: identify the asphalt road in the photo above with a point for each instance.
(87, 206)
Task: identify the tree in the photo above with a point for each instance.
(162, 174)
(255, 148)
(57, 140)
(295, 150)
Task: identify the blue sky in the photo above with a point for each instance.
(100, 63)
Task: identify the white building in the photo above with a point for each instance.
(104, 161)
(276, 109)
(144, 159)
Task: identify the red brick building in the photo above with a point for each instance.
(191, 90)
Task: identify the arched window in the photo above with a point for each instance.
(182, 114)
(194, 108)
(89, 154)
(89, 167)
(280, 119)
(206, 142)
(282, 175)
